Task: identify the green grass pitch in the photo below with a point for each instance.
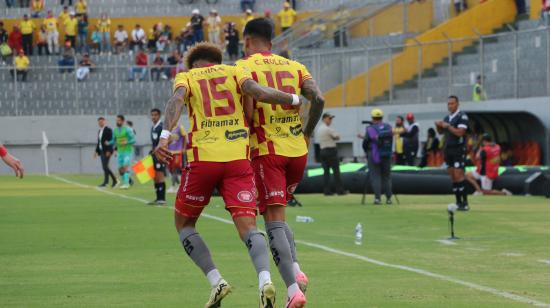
(63, 245)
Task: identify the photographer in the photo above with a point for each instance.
(377, 144)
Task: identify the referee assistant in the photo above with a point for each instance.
(454, 127)
(160, 168)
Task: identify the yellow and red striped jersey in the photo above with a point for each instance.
(276, 129)
(218, 129)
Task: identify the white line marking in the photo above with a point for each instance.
(545, 261)
(512, 254)
(446, 242)
(470, 285)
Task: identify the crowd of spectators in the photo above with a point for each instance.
(150, 50)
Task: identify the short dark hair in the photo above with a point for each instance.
(121, 117)
(487, 137)
(259, 27)
(100, 118)
(156, 110)
(204, 51)
(455, 97)
(130, 123)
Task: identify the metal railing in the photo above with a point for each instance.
(511, 64)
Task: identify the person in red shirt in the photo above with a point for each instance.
(11, 161)
(545, 12)
(488, 163)
(141, 62)
(15, 39)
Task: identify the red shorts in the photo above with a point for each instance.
(234, 180)
(277, 178)
(176, 163)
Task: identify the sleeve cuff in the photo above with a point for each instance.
(243, 80)
(463, 126)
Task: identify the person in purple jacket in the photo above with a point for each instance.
(377, 143)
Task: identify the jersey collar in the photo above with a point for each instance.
(454, 114)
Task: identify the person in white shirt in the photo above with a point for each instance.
(138, 38)
(214, 23)
(327, 137)
(121, 39)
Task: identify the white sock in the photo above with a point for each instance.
(293, 289)
(263, 278)
(296, 267)
(214, 277)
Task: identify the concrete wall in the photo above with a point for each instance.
(72, 139)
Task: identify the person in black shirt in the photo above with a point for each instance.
(160, 168)
(232, 40)
(197, 21)
(104, 149)
(455, 126)
(410, 140)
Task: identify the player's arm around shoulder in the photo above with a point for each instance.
(172, 114)
(268, 95)
(311, 91)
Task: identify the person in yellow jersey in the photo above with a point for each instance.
(27, 29)
(64, 14)
(279, 143)
(81, 7)
(218, 157)
(287, 17)
(71, 28)
(104, 27)
(51, 33)
(37, 7)
(22, 63)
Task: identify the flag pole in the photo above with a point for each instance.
(44, 148)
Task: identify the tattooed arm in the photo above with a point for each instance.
(172, 114)
(265, 94)
(314, 95)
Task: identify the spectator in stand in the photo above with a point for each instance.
(52, 34)
(3, 33)
(71, 29)
(21, 63)
(158, 67)
(232, 41)
(164, 40)
(104, 28)
(5, 50)
(431, 147)
(66, 64)
(81, 7)
(96, 40)
(488, 158)
(214, 23)
(197, 22)
(398, 152)
(83, 34)
(246, 18)
(247, 5)
(70, 2)
(24, 3)
(181, 66)
(267, 15)
(141, 62)
(287, 17)
(153, 36)
(185, 39)
(545, 13)
(460, 5)
(63, 15)
(85, 67)
(42, 43)
(479, 93)
(37, 7)
(121, 39)
(137, 38)
(27, 31)
(410, 139)
(15, 39)
(172, 62)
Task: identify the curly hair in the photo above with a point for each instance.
(204, 51)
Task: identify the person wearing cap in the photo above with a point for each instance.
(378, 144)
(71, 29)
(52, 34)
(410, 139)
(21, 63)
(247, 5)
(488, 163)
(327, 137)
(27, 29)
(214, 23)
(248, 16)
(197, 21)
(232, 40)
(104, 150)
(479, 93)
(287, 17)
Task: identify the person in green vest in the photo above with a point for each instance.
(124, 140)
(479, 93)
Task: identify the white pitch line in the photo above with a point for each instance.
(446, 242)
(470, 285)
(512, 254)
(545, 261)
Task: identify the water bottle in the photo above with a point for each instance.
(358, 234)
(304, 219)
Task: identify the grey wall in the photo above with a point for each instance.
(72, 139)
